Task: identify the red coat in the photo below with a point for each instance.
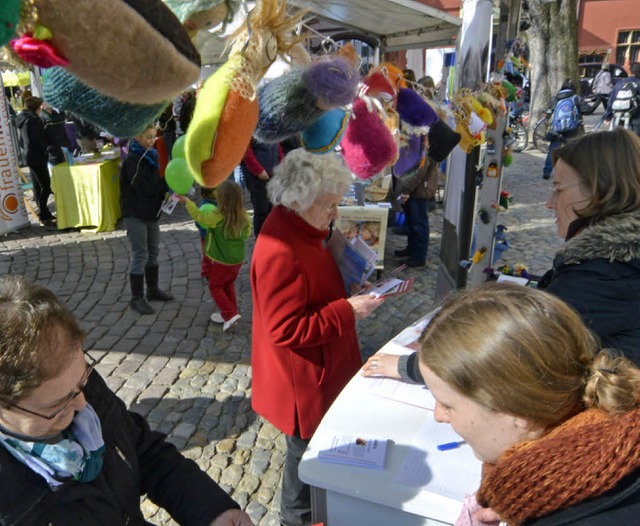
(305, 348)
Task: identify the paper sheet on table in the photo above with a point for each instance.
(451, 473)
(401, 391)
(409, 337)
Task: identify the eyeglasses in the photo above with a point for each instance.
(90, 366)
(330, 209)
(554, 190)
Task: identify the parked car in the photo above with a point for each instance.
(589, 70)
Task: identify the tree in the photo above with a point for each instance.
(553, 49)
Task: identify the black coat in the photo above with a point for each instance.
(32, 138)
(137, 461)
(55, 135)
(619, 507)
(142, 189)
(598, 273)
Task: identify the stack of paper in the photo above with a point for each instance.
(355, 451)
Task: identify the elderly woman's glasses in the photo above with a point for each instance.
(62, 405)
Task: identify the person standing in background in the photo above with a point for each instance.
(55, 134)
(257, 168)
(34, 144)
(142, 192)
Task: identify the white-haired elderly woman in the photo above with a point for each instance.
(305, 347)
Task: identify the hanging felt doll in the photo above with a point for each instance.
(294, 101)
(226, 111)
(135, 52)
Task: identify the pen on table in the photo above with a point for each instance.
(451, 445)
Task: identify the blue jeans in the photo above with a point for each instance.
(144, 236)
(417, 224)
(548, 164)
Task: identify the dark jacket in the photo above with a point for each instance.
(55, 135)
(598, 273)
(142, 190)
(32, 137)
(418, 183)
(260, 156)
(608, 114)
(137, 461)
(620, 506)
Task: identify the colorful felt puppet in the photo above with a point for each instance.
(132, 51)
(294, 101)
(226, 111)
(325, 134)
(368, 145)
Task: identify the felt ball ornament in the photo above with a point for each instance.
(178, 176)
(367, 146)
(414, 110)
(121, 119)
(132, 51)
(326, 133)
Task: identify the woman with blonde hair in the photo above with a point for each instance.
(555, 421)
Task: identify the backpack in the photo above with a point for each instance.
(566, 116)
(627, 99)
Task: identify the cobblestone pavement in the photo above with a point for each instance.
(194, 382)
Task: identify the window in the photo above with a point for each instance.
(628, 49)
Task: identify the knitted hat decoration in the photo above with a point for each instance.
(442, 140)
(294, 101)
(375, 84)
(134, 51)
(368, 145)
(415, 111)
(64, 91)
(326, 133)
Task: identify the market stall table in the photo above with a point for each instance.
(419, 485)
(87, 195)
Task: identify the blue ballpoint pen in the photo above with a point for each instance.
(451, 445)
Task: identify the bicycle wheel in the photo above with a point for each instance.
(521, 137)
(540, 132)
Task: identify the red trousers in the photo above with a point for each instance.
(222, 286)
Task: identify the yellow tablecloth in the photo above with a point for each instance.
(87, 195)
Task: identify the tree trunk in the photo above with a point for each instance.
(553, 45)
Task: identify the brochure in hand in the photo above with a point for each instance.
(355, 259)
(356, 451)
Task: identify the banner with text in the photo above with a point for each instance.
(13, 213)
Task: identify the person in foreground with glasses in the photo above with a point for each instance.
(70, 452)
(304, 342)
(595, 197)
(555, 421)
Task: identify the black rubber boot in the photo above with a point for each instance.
(138, 303)
(153, 292)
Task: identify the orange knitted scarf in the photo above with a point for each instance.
(577, 461)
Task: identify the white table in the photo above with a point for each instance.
(351, 496)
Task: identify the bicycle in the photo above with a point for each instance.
(519, 135)
(541, 131)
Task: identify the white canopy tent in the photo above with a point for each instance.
(393, 24)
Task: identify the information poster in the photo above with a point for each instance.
(369, 223)
(13, 213)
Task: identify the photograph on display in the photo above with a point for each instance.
(366, 223)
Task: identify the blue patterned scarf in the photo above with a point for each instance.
(78, 456)
(150, 155)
